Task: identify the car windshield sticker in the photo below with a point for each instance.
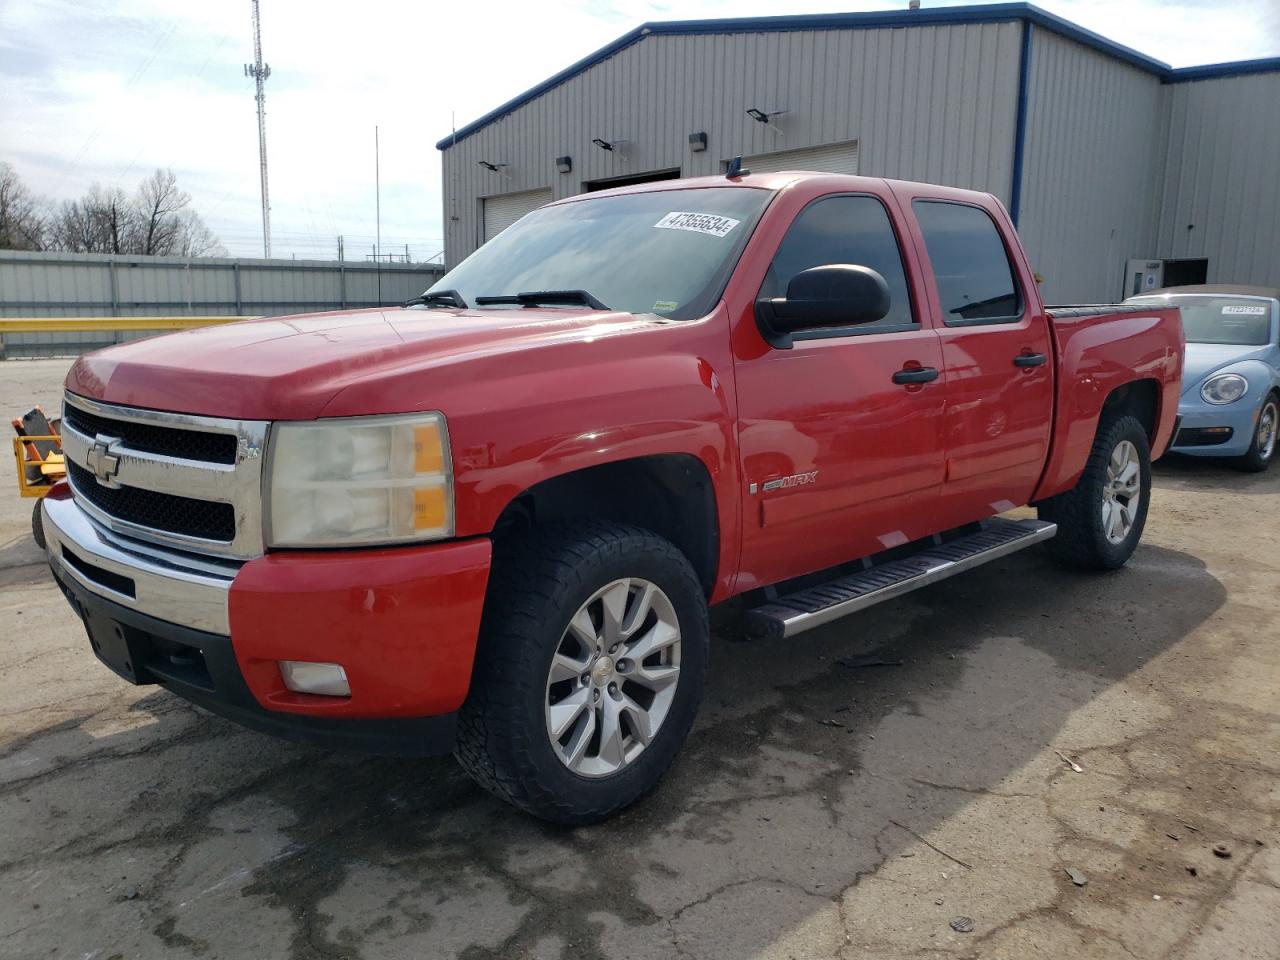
(707, 223)
(1237, 310)
(665, 306)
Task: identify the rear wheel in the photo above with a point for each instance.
(1263, 447)
(1101, 520)
(589, 671)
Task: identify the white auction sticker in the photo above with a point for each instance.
(1237, 310)
(707, 223)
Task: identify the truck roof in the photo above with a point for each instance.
(772, 181)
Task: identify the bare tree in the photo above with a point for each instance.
(166, 224)
(102, 221)
(158, 220)
(22, 221)
(195, 239)
(160, 205)
(71, 228)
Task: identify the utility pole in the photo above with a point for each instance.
(260, 71)
(378, 195)
(377, 201)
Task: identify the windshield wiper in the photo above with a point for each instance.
(438, 298)
(532, 298)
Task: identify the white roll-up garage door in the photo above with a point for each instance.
(829, 158)
(502, 211)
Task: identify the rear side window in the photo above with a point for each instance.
(970, 264)
(844, 230)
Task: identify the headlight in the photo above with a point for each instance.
(1224, 388)
(359, 481)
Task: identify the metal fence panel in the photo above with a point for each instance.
(102, 285)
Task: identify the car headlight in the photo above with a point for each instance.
(359, 481)
(1224, 388)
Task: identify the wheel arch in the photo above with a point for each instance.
(670, 494)
(1077, 424)
(1139, 399)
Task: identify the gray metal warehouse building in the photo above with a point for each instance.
(1118, 169)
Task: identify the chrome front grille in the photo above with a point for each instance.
(187, 482)
(184, 516)
(153, 438)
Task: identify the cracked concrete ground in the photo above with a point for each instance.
(819, 810)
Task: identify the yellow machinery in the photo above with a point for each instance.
(37, 453)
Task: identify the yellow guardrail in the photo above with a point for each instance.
(109, 324)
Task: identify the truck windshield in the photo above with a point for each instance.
(1237, 320)
(667, 252)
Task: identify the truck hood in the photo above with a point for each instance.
(289, 368)
(1202, 359)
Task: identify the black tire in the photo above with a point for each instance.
(1258, 459)
(37, 526)
(536, 586)
(1081, 541)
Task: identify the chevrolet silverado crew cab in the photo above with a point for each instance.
(492, 521)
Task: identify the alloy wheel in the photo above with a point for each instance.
(1121, 492)
(1268, 425)
(613, 677)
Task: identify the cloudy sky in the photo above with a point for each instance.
(107, 90)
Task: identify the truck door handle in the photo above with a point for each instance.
(1029, 359)
(916, 375)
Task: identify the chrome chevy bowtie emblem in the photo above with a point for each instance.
(102, 461)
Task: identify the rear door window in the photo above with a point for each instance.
(970, 264)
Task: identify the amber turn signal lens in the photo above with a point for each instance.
(428, 451)
(429, 508)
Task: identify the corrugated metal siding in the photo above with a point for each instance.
(1094, 143)
(831, 158)
(85, 285)
(97, 285)
(504, 209)
(932, 103)
(1221, 196)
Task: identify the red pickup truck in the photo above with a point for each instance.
(493, 520)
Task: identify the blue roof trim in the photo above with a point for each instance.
(1237, 68)
(979, 13)
(1020, 128)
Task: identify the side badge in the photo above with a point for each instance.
(795, 480)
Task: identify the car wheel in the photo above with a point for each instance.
(1101, 520)
(589, 671)
(37, 526)
(1263, 447)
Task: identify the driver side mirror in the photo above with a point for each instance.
(832, 295)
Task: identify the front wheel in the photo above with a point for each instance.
(1263, 447)
(37, 526)
(1100, 521)
(589, 671)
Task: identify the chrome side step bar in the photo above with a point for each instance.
(814, 606)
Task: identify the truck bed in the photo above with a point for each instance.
(1099, 347)
(1073, 310)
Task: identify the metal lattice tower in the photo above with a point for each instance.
(260, 71)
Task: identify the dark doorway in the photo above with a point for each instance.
(653, 176)
(1184, 273)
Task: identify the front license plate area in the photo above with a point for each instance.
(118, 646)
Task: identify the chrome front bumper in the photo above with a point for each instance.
(170, 586)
